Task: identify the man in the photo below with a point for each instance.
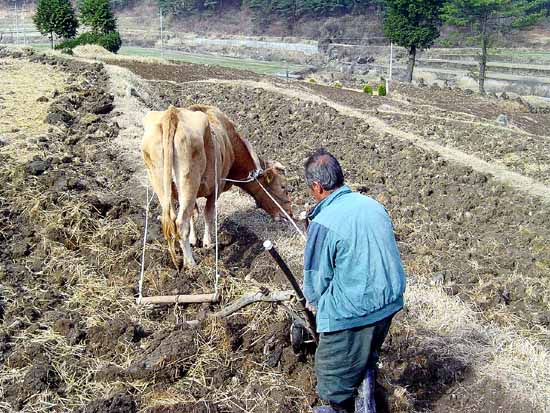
(354, 279)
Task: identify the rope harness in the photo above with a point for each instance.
(140, 284)
(252, 176)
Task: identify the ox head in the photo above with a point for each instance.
(274, 181)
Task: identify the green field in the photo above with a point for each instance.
(543, 55)
(257, 66)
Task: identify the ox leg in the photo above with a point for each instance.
(184, 220)
(192, 230)
(183, 223)
(152, 156)
(209, 211)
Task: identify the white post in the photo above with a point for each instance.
(161, 36)
(23, 10)
(16, 24)
(389, 70)
(287, 79)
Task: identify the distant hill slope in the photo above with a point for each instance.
(342, 20)
(349, 27)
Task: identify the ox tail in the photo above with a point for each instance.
(169, 126)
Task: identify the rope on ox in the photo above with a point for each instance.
(216, 282)
(298, 230)
(253, 176)
(140, 284)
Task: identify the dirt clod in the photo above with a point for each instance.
(37, 167)
(104, 339)
(168, 356)
(119, 403)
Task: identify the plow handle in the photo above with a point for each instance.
(268, 245)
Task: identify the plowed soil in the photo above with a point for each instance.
(72, 338)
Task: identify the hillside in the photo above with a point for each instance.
(348, 22)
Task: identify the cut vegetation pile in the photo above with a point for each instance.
(92, 50)
(72, 338)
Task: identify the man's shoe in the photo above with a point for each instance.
(345, 407)
(324, 409)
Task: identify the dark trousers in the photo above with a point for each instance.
(343, 357)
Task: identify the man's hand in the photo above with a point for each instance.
(311, 308)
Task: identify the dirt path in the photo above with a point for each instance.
(471, 119)
(504, 175)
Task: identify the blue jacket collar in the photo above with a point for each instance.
(344, 189)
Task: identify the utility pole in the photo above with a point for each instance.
(16, 24)
(161, 36)
(23, 11)
(390, 70)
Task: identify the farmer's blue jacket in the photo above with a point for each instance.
(353, 273)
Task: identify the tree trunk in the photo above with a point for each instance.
(483, 57)
(51, 38)
(410, 63)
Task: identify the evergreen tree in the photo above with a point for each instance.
(55, 17)
(97, 14)
(532, 12)
(486, 17)
(413, 24)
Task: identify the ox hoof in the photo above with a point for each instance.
(207, 243)
(190, 264)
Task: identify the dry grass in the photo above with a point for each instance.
(492, 351)
(94, 290)
(22, 83)
(91, 53)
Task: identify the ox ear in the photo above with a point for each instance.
(279, 167)
(273, 169)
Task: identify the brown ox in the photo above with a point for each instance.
(179, 146)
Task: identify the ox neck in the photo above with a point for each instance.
(255, 191)
(241, 171)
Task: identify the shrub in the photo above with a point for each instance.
(338, 85)
(110, 41)
(311, 80)
(382, 90)
(367, 89)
